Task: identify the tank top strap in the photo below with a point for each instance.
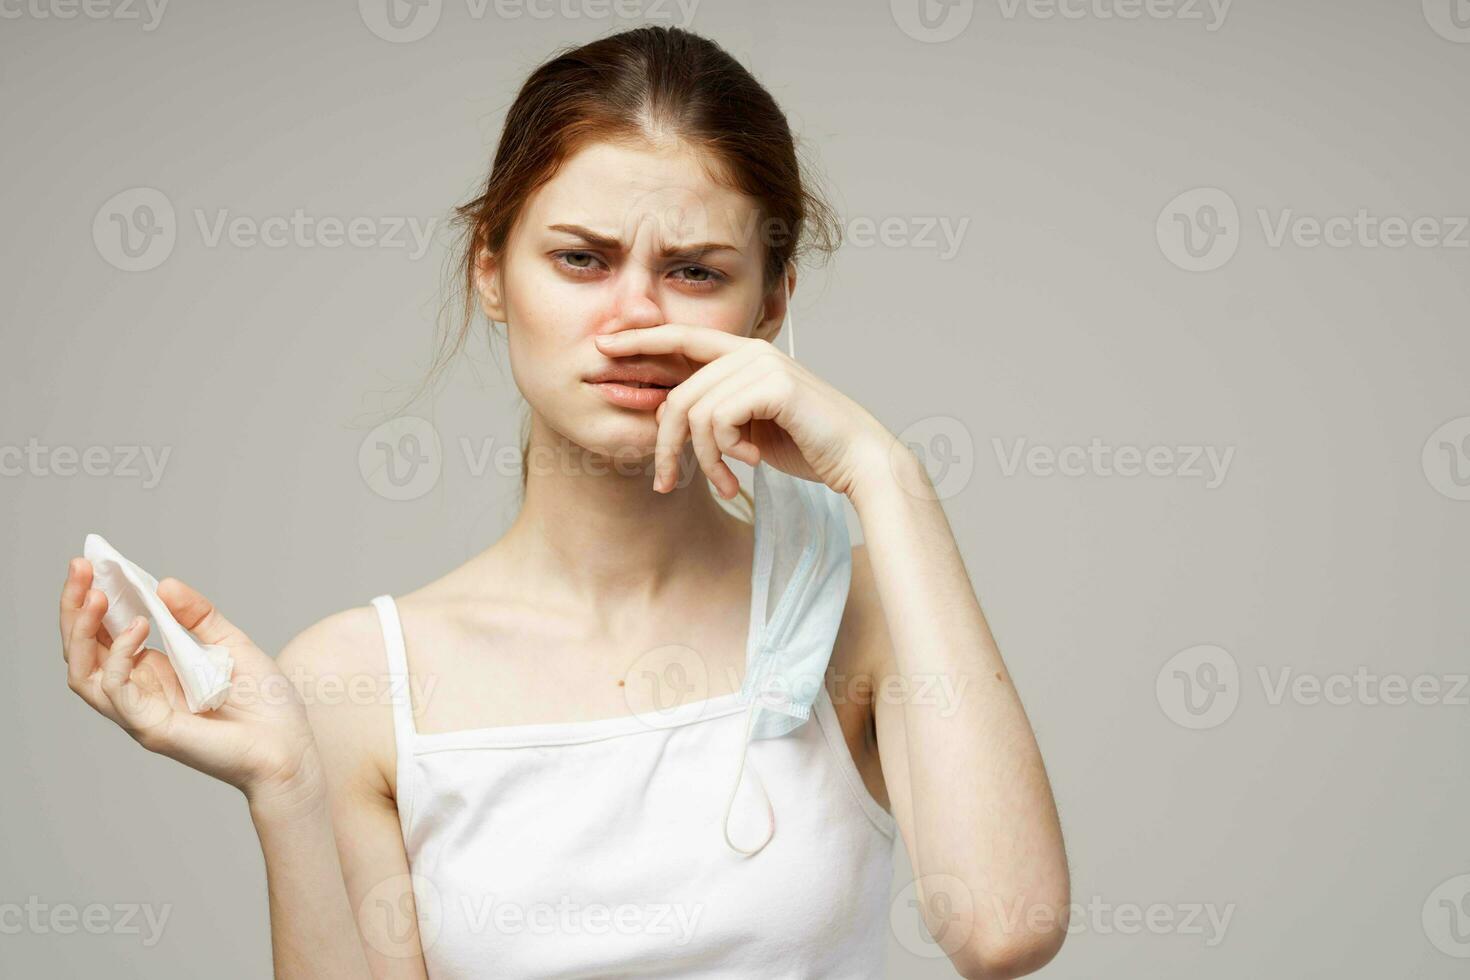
(398, 680)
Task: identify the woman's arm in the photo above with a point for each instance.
(968, 787)
(960, 764)
(301, 768)
(340, 839)
(313, 933)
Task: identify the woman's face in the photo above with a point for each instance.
(622, 237)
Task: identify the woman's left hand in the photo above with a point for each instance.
(755, 403)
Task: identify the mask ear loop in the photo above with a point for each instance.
(765, 796)
(789, 322)
(790, 319)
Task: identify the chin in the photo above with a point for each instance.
(627, 437)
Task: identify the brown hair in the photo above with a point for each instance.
(629, 87)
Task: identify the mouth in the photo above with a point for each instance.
(644, 396)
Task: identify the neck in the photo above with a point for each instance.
(602, 531)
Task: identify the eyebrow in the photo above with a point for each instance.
(596, 240)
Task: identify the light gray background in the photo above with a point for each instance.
(1330, 832)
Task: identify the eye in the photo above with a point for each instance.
(701, 276)
(578, 263)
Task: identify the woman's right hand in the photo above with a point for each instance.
(258, 741)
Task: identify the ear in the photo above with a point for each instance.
(488, 285)
(773, 307)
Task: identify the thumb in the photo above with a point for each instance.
(197, 614)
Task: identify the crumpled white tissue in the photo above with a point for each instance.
(203, 670)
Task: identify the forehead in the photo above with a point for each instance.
(643, 192)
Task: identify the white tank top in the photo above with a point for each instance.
(595, 849)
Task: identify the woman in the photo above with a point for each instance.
(567, 733)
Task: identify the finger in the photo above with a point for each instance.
(73, 591)
(702, 435)
(197, 614)
(720, 420)
(130, 703)
(672, 416)
(697, 342)
(82, 646)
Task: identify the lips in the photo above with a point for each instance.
(640, 376)
(625, 394)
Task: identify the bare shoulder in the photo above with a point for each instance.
(338, 666)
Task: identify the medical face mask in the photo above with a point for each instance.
(800, 577)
